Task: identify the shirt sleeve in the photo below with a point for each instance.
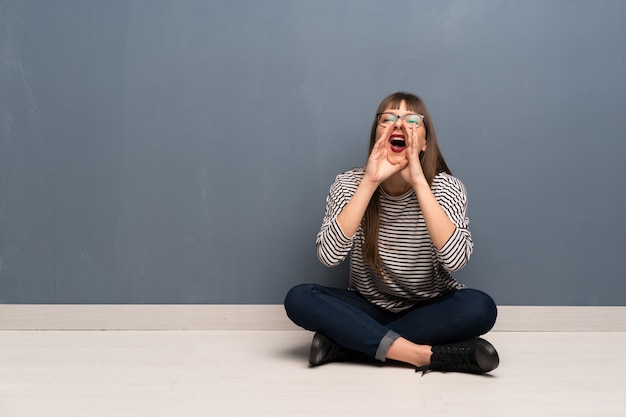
(332, 244)
(452, 196)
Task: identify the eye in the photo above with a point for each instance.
(413, 119)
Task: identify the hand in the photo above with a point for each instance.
(416, 143)
(379, 166)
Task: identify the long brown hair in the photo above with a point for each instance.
(432, 164)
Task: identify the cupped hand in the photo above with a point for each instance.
(379, 167)
(413, 172)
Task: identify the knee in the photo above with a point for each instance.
(485, 311)
(299, 303)
(296, 297)
(488, 312)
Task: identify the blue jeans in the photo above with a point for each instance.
(353, 322)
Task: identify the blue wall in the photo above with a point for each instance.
(181, 151)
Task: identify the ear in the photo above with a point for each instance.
(424, 147)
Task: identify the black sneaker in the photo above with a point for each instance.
(324, 350)
(474, 356)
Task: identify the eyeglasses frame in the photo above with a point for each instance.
(421, 117)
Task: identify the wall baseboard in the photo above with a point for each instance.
(272, 317)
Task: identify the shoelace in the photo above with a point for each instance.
(448, 358)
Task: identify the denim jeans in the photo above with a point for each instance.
(353, 322)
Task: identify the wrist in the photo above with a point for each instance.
(368, 186)
(370, 182)
(420, 183)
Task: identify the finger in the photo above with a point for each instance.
(401, 166)
(406, 128)
(379, 145)
(413, 141)
(409, 133)
(385, 134)
(381, 142)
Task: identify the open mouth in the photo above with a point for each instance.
(398, 144)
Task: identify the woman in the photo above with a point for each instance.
(403, 221)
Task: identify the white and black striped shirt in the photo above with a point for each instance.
(414, 269)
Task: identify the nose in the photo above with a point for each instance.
(398, 123)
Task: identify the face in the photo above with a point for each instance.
(398, 131)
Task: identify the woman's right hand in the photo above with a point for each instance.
(379, 167)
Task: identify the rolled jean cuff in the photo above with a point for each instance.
(385, 343)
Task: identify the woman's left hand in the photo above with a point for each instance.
(415, 144)
(438, 223)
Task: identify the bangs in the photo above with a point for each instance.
(413, 103)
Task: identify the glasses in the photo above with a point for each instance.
(412, 119)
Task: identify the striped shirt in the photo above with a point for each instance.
(414, 269)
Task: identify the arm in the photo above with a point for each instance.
(445, 211)
(378, 170)
(440, 227)
(452, 197)
(345, 212)
(332, 244)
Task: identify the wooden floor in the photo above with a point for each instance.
(265, 373)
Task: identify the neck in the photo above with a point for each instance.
(395, 186)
